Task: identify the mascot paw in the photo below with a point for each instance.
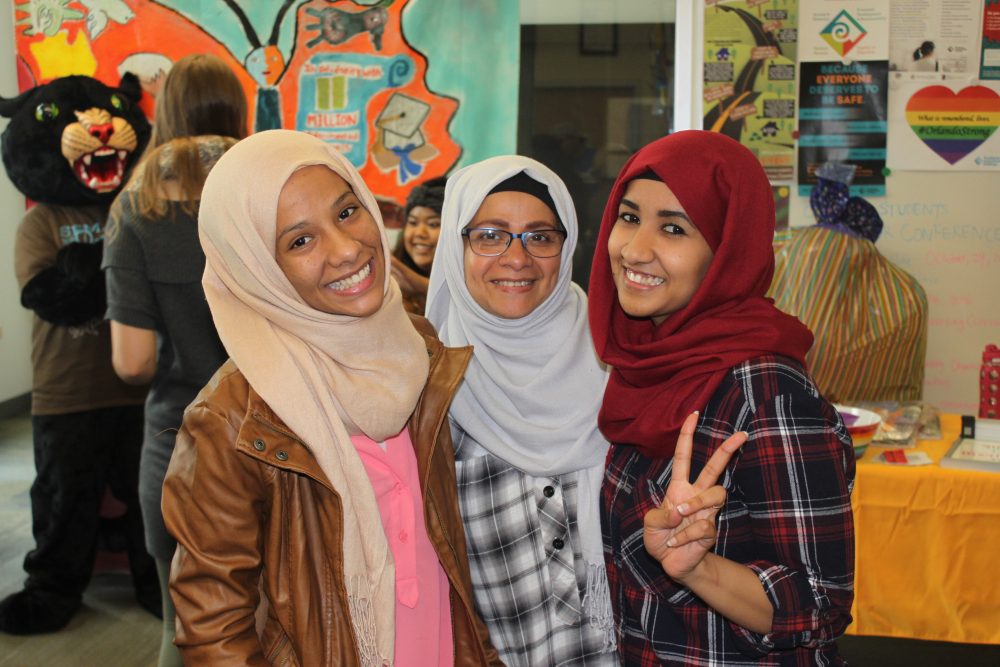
(80, 262)
(34, 611)
(63, 299)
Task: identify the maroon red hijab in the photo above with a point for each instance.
(663, 373)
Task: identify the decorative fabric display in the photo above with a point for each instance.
(534, 386)
(326, 376)
(869, 316)
(662, 373)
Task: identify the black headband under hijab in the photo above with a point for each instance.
(430, 194)
(521, 182)
(648, 175)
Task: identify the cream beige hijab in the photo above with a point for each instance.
(324, 375)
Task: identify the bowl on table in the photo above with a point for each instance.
(861, 424)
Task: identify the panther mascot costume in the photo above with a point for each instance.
(69, 146)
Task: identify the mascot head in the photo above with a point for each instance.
(73, 141)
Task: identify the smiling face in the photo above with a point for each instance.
(328, 245)
(420, 235)
(513, 284)
(658, 256)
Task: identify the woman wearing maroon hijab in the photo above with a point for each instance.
(677, 309)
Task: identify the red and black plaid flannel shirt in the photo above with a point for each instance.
(787, 517)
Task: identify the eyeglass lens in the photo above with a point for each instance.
(539, 243)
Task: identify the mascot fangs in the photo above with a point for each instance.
(69, 146)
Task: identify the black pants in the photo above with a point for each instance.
(77, 456)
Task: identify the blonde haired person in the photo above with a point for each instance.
(161, 329)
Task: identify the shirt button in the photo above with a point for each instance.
(282, 455)
(548, 491)
(558, 544)
(403, 536)
(258, 444)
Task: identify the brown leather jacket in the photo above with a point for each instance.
(258, 577)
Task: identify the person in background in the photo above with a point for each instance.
(413, 255)
(524, 422)
(677, 310)
(161, 328)
(924, 59)
(312, 488)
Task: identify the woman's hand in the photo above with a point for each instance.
(409, 280)
(682, 530)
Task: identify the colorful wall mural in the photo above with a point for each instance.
(342, 70)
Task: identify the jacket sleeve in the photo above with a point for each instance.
(213, 505)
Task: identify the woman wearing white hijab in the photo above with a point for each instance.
(529, 457)
(296, 486)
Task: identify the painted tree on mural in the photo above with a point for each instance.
(339, 69)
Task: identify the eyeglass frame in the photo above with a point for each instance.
(510, 239)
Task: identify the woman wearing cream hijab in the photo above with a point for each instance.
(312, 490)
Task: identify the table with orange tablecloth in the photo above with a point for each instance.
(927, 539)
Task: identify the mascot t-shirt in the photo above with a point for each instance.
(72, 365)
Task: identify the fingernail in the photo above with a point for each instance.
(682, 508)
(695, 412)
(672, 542)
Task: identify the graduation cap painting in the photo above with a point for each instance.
(400, 143)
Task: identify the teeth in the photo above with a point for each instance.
(643, 279)
(87, 159)
(104, 152)
(512, 283)
(122, 155)
(351, 281)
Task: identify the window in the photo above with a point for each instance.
(591, 94)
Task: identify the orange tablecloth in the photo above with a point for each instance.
(927, 538)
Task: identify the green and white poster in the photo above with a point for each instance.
(749, 78)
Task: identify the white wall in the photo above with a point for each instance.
(941, 227)
(15, 321)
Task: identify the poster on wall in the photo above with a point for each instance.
(945, 126)
(847, 30)
(842, 118)
(934, 38)
(989, 62)
(342, 71)
(749, 78)
(844, 51)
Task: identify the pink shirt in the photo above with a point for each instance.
(423, 605)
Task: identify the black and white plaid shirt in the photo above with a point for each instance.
(528, 572)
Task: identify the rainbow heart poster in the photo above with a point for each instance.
(946, 126)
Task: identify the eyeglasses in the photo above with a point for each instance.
(489, 242)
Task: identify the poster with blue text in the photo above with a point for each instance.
(843, 91)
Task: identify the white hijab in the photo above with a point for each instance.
(324, 375)
(534, 386)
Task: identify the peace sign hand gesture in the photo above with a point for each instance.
(682, 530)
